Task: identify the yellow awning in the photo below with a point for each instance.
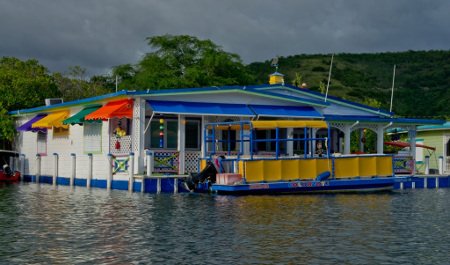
(52, 120)
(288, 124)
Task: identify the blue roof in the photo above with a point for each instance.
(197, 108)
(381, 120)
(334, 99)
(285, 111)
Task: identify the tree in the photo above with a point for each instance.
(74, 85)
(183, 61)
(298, 80)
(23, 84)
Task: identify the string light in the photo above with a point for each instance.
(161, 133)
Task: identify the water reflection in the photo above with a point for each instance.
(42, 224)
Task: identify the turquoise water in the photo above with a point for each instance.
(41, 224)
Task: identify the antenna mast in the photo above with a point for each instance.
(329, 77)
(392, 93)
(117, 81)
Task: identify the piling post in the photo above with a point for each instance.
(38, 167)
(90, 169)
(55, 168)
(131, 172)
(109, 179)
(441, 165)
(149, 162)
(427, 165)
(74, 168)
(22, 165)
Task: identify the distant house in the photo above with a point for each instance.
(437, 136)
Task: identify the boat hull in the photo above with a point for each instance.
(310, 186)
(9, 178)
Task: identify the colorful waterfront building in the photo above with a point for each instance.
(98, 141)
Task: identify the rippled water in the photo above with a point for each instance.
(40, 224)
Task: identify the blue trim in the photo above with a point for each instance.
(178, 107)
(381, 120)
(285, 111)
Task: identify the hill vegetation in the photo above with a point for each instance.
(422, 82)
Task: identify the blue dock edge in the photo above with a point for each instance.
(424, 182)
(167, 184)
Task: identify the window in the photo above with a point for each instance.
(165, 135)
(42, 143)
(192, 134)
(121, 127)
(270, 146)
(92, 133)
(229, 140)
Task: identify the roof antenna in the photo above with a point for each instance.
(275, 63)
(117, 81)
(329, 77)
(392, 93)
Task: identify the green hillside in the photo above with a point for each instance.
(422, 84)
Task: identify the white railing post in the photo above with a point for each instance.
(149, 162)
(74, 169)
(22, 165)
(109, 180)
(131, 172)
(38, 167)
(90, 169)
(55, 168)
(441, 165)
(427, 165)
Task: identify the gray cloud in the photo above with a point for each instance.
(103, 33)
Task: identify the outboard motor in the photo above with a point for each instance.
(7, 170)
(208, 173)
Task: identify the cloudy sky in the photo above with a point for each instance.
(99, 34)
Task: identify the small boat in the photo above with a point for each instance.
(245, 170)
(8, 170)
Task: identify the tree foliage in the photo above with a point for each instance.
(421, 85)
(23, 84)
(183, 61)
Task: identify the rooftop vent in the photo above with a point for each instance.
(53, 101)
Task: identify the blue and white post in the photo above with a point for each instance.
(131, 172)
(73, 168)
(38, 167)
(109, 179)
(90, 169)
(22, 165)
(441, 165)
(427, 165)
(55, 168)
(149, 156)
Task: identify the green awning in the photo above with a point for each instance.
(79, 117)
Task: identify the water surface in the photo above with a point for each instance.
(41, 224)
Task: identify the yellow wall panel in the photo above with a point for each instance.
(254, 171)
(241, 168)
(345, 167)
(307, 169)
(323, 165)
(272, 170)
(367, 166)
(290, 169)
(384, 166)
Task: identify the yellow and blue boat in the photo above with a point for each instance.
(248, 171)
